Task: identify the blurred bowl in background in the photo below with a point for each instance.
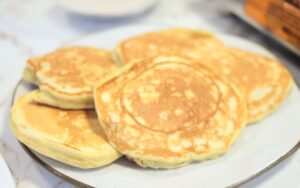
(107, 8)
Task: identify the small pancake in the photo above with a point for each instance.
(73, 137)
(264, 82)
(66, 76)
(174, 42)
(165, 112)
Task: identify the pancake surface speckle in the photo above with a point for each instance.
(73, 137)
(66, 76)
(165, 112)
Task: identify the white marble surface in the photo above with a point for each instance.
(31, 27)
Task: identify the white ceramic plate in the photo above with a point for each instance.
(6, 177)
(260, 147)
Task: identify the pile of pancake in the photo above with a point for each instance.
(162, 99)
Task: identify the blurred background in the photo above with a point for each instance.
(33, 27)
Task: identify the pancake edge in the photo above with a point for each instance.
(50, 97)
(285, 95)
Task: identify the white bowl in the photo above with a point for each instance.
(107, 8)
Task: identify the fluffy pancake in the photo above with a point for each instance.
(177, 42)
(66, 76)
(263, 82)
(164, 112)
(73, 137)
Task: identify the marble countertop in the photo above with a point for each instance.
(32, 27)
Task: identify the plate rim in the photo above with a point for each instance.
(75, 182)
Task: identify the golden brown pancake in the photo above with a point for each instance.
(176, 42)
(73, 137)
(263, 82)
(164, 112)
(66, 76)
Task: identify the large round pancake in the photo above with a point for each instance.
(73, 137)
(66, 76)
(264, 82)
(177, 42)
(164, 112)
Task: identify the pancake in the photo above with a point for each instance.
(66, 76)
(72, 137)
(174, 42)
(264, 82)
(165, 112)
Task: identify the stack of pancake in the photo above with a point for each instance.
(181, 96)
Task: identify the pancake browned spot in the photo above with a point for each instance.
(73, 137)
(164, 112)
(66, 76)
